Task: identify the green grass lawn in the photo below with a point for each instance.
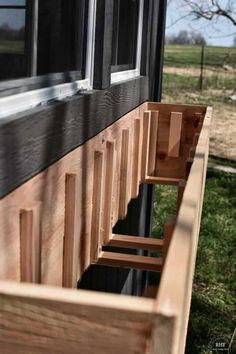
(189, 55)
(213, 301)
(176, 82)
(16, 47)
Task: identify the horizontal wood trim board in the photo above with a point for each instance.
(123, 260)
(136, 242)
(42, 319)
(162, 180)
(32, 141)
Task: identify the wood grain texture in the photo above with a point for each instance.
(72, 231)
(174, 293)
(49, 187)
(98, 193)
(176, 119)
(152, 143)
(109, 181)
(145, 143)
(162, 180)
(136, 166)
(123, 260)
(30, 244)
(136, 242)
(33, 140)
(170, 309)
(124, 174)
(41, 320)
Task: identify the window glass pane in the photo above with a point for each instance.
(125, 31)
(12, 43)
(62, 27)
(12, 2)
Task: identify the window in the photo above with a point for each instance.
(41, 38)
(49, 42)
(126, 39)
(62, 27)
(12, 39)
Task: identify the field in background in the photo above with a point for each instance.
(181, 84)
(213, 302)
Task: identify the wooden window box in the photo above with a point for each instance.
(56, 224)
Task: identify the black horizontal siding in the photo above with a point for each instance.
(31, 141)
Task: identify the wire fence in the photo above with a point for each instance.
(199, 67)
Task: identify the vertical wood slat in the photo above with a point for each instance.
(175, 134)
(72, 231)
(109, 179)
(97, 205)
(30, 243)
(124, 174)
(136, 167)
(168, 232)
(152, 143)
(145, 144)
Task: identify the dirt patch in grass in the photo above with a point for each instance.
(223, 128)
(208, 71)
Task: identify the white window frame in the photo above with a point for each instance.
(27, 100)
(130, 74)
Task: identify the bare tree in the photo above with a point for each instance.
(212, 9)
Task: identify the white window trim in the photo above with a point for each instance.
(27, 100)
(129, 74)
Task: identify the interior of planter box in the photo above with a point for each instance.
(62, 221)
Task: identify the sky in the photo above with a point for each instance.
(15, 18)
(220, 33)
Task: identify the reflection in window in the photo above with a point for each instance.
(57, 27)
(12, 39)
(62, 36)
(125, 31)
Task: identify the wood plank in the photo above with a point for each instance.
(97, 205)
(174, 294)
(145, 144)
(176, 119)
(162, 180)
(136, 242)
(152, 143)
(123, 260)
(109, 178)
(30, 243)
(136, 166)
(124, 174)
(204, 143)
(72, 232)
(42, 319)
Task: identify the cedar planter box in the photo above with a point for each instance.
(56, 224)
